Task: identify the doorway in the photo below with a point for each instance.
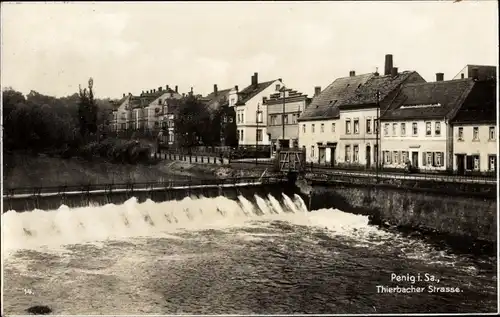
(368, 156)
(461, 164)
(414, 159)
(322, 155)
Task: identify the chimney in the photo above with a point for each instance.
(394, 71)
(160, 88)
(123, 95)
(255, 79)
(317, 90)
(168, 88)
(352, 73)
(388, 64)
(439, 76)
(191, 91)
(475, 73)
(376, 72)
(280, 79)
(154, 90)
(236, 88)
(215, 89)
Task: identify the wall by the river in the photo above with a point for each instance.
(470, 215)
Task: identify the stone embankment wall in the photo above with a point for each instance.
(471, 214)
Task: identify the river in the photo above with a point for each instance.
(262, 254)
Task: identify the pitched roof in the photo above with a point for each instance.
(325, 105)
(214, 100)
(439, 99)
(367, 93)
(251, 91)
(480, 104)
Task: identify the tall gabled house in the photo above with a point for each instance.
(359, 115)
(251, 113)
(319, 123)
(416, 126)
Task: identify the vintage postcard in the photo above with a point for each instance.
(235, 158)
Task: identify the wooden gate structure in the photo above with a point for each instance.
(291, 161)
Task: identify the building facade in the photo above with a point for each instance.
(283, 111)
(417, 128)
(251, 113)
(475, 134)
(359, 134)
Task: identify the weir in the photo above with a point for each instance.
(51, 198)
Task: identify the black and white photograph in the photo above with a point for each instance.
(249, 157)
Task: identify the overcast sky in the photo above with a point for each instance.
(129, 47)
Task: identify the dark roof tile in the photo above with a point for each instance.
(251, 91)
(480, 105)
(428, 100)
(325, 105)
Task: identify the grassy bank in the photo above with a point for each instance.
(41, 170)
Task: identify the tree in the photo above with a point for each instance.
(87, 111)
(193, 123)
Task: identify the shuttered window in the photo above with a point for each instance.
(424, 158)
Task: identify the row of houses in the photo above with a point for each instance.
(391, 119)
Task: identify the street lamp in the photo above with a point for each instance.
(257, 134)
(283, 120)
(377, 136)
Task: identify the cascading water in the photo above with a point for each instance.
(254, 254)
(70, 226)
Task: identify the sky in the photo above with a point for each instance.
(127, 47)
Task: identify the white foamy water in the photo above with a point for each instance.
(132, 219)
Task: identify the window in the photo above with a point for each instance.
(492, 160)
(312, 150)
(394, 129)
(322, 128)
(259, 135)
(403, 130)
(312, 128)
(414, 128)
(348, 126)
(278, 86)
(437, 128)
(404, 157)
(460, 136)
(475, 134)
(259, 116)
(428, 129)
(439, 159)
(242, 136)
(386, 129)
(294, 118)
(376, 123)
(395, 157)
(356, 126)
(242, 119)
(492, 133)
(387, 157)
(429, 158)
(239, 118)
(356, 154)
(347, 153)
(274, 120)
(368, 126)
(159, 101)
(303, 128)
(476, 162)
(333, 127)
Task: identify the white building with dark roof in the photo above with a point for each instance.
(251, 113)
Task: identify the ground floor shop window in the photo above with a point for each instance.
(492, 163)
(472, 162)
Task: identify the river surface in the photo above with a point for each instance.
(264, 255)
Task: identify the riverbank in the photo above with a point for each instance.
(21, 170)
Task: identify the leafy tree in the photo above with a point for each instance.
(193, 123)
(87, 111)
